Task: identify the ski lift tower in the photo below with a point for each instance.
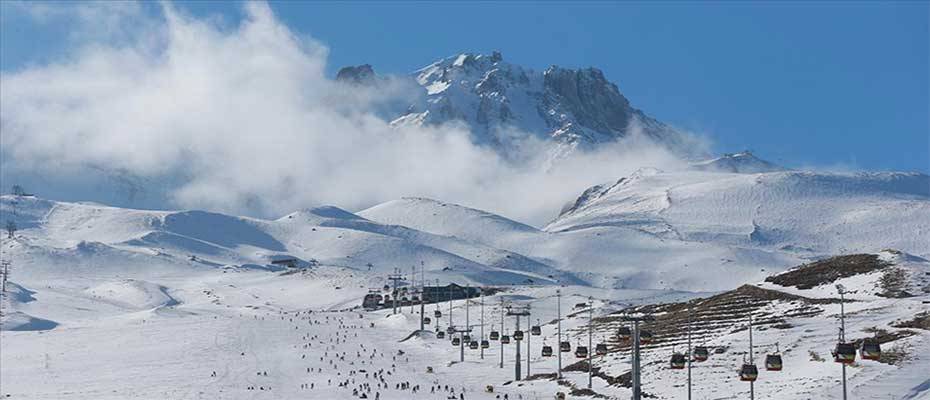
(636, 319)
(461, 332)
(519, 311)
(395, 277)
(842, 291)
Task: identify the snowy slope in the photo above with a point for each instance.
(610, 256)
(804, 213)
(327, 235)
(255, 334)
(804, 325)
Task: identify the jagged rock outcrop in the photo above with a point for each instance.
(361, 74)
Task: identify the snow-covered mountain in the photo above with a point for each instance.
(503, 103)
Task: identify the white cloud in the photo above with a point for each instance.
(244, 120)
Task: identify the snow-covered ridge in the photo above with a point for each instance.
(743, 162)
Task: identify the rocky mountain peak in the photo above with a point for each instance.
(502, 103)
(361, 74)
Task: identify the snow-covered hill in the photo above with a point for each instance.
(807, 214)
(330, 236)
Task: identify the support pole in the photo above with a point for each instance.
(842, 291)
(590, 335)
(517, 345)
(690, 311)
(502, 332)
(529, 353)
(752, 391)
(558, 295)
(637, 389)
(396, 277)
(482, 324)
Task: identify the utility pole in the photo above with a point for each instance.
(450, 305)
(636, 319)
(395, 277)
(842, 290)
(558, 307)
(590, 334)
(482, 323)
(518, 311)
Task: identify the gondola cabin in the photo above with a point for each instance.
(870, 349)
(565, 347)
(473, 345)
(701, 353)
(505, 339)
(450, 330)
(645, 337)
(844, 353)
(518, 335)
(624, 333)
(456, 341)
(427, 321)
(581, 352)
(485, 344)
(495, 335)
(440, 335)
(678, 361)
(467, 338)
(437, 314)
(748, 373)
(536, 330)
(547, 351)
(773, 362)
(600, 349)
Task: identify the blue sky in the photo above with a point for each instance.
(832, 84)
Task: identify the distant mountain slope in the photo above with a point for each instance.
(450, 219)
(91, 234)
(806, 213)
(605, 256)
